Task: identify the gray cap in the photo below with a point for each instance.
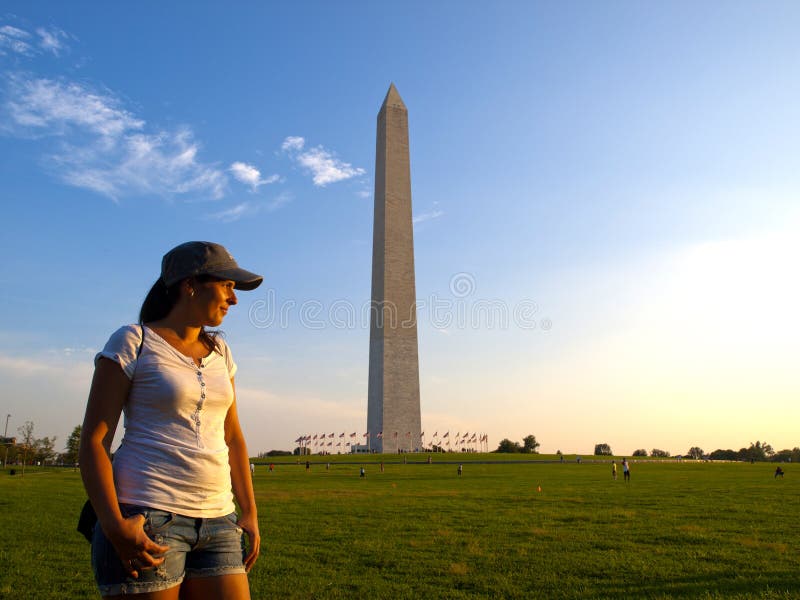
(205, 258)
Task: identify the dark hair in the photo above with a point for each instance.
(160, 300)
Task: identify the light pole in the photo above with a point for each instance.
(5, 440)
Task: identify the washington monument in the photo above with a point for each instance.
(393, 413)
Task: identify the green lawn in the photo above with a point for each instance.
(678, 530)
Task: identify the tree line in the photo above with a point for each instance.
(529, 446)
(756, 452)
(27, 449)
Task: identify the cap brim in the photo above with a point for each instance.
(243, 280)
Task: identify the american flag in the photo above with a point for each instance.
(341, 435)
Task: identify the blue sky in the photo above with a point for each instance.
(619, 180)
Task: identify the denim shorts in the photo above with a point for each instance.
(197, 548)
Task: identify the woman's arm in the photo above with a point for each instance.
(108, 393)
(242, 482)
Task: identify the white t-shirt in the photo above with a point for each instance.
(173, 454)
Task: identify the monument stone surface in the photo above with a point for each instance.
(393, 409)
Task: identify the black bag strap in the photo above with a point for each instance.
(139, 350)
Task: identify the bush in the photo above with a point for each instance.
(508, 447)
(602, 450)
(279, 453)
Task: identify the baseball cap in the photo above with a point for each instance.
(205, 258)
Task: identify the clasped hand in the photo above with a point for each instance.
(136, 551)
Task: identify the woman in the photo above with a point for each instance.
(167, 524)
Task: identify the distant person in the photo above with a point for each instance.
(778, 473)
(626, 470)
(614, 469)
(460, 470)
(183, 459)
(363, 472)
(252, 470)
(271, 467)
(381, 466)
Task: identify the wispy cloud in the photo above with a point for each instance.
(52, 40)
(21, 42)
(293, 144)
(428, 216)
(52, 107)
(321, 164)
(249, 209)
(234, 213)
(15, 40)
(68, 351)
(104, 147)
(326, 168)
(250, 175)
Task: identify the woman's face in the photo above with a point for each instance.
(213, 299)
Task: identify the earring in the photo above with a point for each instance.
(191, 293)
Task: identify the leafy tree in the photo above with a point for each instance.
(757, 451)
(695, 452)
(530, 445)
(506, 446)
(655, 452)
(26, 441)
(724, 455)
(43, 449)
(602, 450)
(640, 452)
(782, 456)
(73, 445)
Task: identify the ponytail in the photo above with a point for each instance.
(160, 301)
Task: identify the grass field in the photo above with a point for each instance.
(678, 530)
